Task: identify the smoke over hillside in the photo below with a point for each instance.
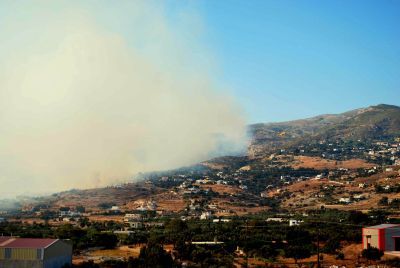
(82, 105)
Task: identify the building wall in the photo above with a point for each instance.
(21, 264)
(374, 240)
(381, 238)
(57, 254)
(20, 254)
(57, 262)
(25, 254)
(389, 234)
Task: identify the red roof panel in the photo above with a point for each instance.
(29, 243)
(4, 238)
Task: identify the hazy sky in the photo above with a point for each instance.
(92, 92)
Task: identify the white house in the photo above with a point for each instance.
(345, 200)
(205, 215)
(294, 222)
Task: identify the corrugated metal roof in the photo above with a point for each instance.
(13, 242)
(4, 238)
(383, 226)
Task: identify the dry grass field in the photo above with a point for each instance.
(320, 163)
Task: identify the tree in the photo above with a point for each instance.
(340, 256)
(297, 252)
(384, 201)
(332, 245)
(154, 255)
(106, 205)
(80, 209)
(372, 254)
(106, 240)
(299, 244)
(176, 230)
(269, 252)
(84, 222)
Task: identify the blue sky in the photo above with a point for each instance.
(293, 59)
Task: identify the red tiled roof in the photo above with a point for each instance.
(12, 242)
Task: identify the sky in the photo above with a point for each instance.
(93, 92)
(288, 60)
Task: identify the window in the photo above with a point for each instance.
(7, 253)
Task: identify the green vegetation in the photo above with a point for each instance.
(252, 234)
(372, 254)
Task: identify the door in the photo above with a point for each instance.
(397, 243)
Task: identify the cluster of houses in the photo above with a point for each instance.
(383, 149)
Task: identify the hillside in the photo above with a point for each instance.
(366, 124)
(319, 153)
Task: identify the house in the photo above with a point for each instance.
(34, 253)
(274, 219)
(69, 213)
(115, 208)
(359, 197)
(133, 217)
(294, 222)
(221, 220)
(206, 215)
(134, 224)
(385, 237)
(345, 200)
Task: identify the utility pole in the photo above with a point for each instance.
(247, 238)
(318, 231)
(318, 262)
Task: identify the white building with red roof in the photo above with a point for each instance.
(34, 253)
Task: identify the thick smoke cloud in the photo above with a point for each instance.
(83, 105)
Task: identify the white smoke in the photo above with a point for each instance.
(82, 105)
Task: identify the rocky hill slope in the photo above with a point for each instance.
(372, 123)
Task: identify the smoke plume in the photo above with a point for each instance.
(85, 101)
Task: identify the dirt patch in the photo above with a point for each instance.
(123, 252)
(102, 218)
(351, 253)
(222, 189)
(321, 163)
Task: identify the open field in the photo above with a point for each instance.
(321, 163)
(122, 252)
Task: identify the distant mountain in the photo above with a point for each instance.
(375, 122)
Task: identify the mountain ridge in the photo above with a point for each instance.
(372, 122)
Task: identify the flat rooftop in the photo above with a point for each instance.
(383, 226)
